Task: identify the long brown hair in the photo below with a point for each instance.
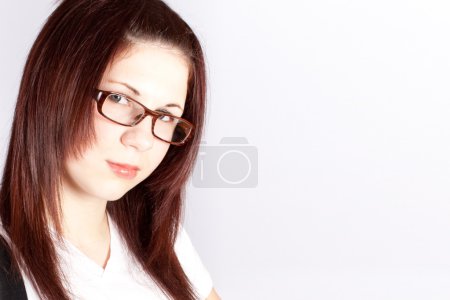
(53, 120)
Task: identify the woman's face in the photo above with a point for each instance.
(159, 75)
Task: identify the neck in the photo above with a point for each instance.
(84, 222)
(84, 219)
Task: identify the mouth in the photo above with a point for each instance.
(123, 170)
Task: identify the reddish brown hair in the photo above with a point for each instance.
(53, 120)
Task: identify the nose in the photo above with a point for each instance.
(139, 136)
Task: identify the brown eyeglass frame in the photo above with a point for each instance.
(100, 96)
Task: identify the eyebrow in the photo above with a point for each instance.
(136, 92)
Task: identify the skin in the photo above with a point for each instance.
(213, 295)
(160, 75)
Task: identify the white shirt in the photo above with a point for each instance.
(122, 277)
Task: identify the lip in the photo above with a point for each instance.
(125, 166)
(125, 171)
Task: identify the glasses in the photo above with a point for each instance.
(125, 111)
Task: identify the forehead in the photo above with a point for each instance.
(157, 71)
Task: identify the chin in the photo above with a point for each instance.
(114, 196)
(113, 193)
(114, 189)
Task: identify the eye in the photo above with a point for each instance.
(166, 118)
(116, 98)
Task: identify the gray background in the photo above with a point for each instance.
(347, 103)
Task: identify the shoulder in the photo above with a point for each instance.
(192, 264)
(12, 285)
(5, 241)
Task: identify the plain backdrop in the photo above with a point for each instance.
(347, 104)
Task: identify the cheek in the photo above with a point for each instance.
(106, 133)
(155, 156)
(163, 149)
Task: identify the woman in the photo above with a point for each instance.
(105, 133)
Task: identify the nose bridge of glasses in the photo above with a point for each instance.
(142, 116)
